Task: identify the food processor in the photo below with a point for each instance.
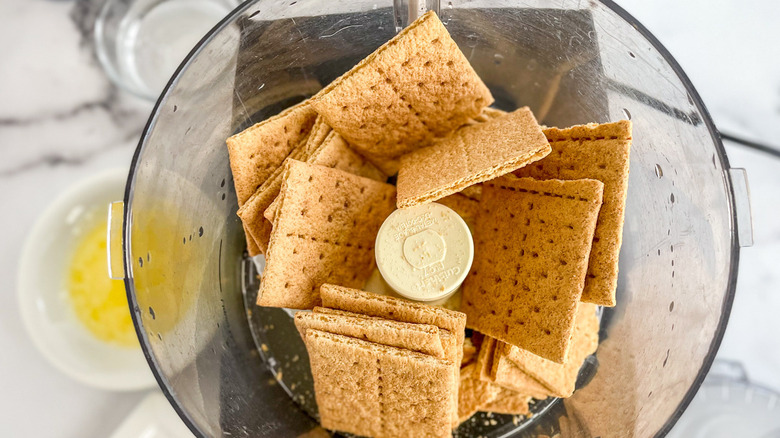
(230, 368)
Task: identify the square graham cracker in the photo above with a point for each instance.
(399, 309)
(422, 338)
(471, 155)
(472, 393)
(334, 152)
(445, 338)
(325, 232)
(260, 149)
(598, 152)
(561, 378)
(532, 243)
(370, 389)
(416, 87)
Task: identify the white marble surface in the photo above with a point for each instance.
(60, 120)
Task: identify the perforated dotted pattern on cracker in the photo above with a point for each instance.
(374, 390)
(256, 152)
(414, 88)
(399, 309)
(471, 155)
(531, 248)
(599, 152)
(251, 213)
(324, 232)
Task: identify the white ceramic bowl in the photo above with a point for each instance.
(43, 300)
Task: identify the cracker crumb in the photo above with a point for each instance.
(279, 375)
(271, 382)
(264, 348)
(493, 422)
(295, 358)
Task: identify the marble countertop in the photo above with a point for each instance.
(61, 120)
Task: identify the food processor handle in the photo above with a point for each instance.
(741, 190)
(406, 11)
(116, 269)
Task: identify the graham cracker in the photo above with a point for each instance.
(335, 153)
(466, 208)
(324, 232)
(258, 150)
(506, 374)
(414, 88)
(251, 213)
(598, 152)
(532, 243)
(398, 309)
(370, 389)
(422, 338)
(471, 155)
(445, 339)
(472, 393)
(508, 402)
(561, 378)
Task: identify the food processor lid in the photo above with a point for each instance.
(728, 404)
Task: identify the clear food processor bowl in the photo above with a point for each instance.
(572, 62)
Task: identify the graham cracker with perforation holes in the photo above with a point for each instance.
(560, 379)
(423, 338)
(324, 232)
(507, 402)
(445, 338)
(472, 393)
(335, 152)
(598, 152)
(251, 212)
(256, 152)
(375, 390)
(416, 87)
(471, 155)
(532, 243)
(399, 309)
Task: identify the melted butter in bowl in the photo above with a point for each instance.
(99, 302)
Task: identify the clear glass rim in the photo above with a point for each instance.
(610, 4)
(101, 52)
